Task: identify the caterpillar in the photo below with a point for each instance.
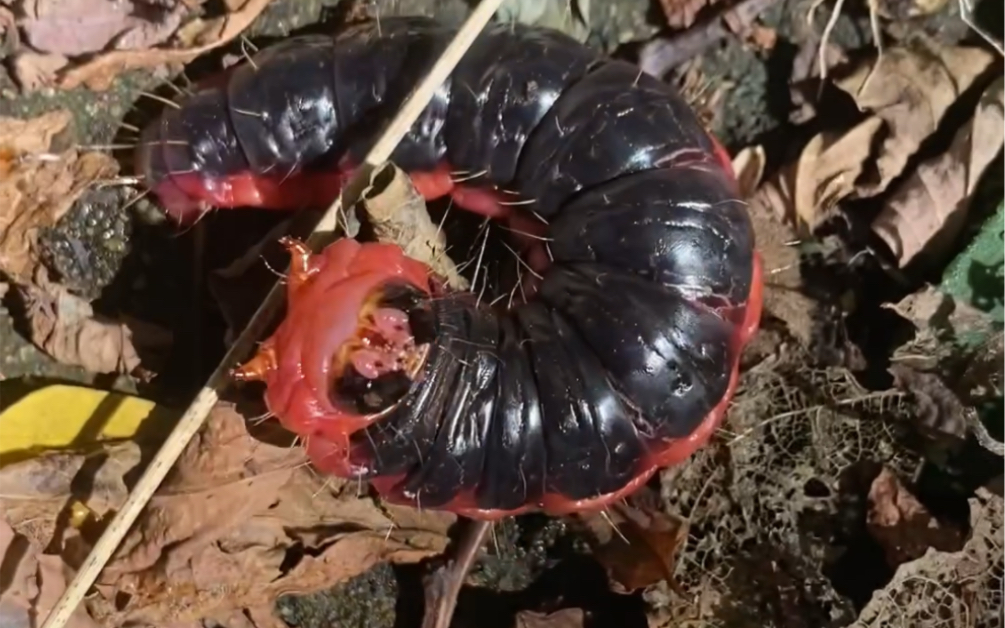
(622, 353)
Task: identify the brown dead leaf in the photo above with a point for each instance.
(909, 90)
(222, 478)
(240, 521)
(941, 315)
(206, 35)
(33, 70)
(38, 187)
(637, 542)
(951, 589)
(941, 323)
(938, 410)
(237, 522)
(66, 327)
(32, 583)
(260, 617)
(804, 85)
(682, 14)
(34, 491)
(930, 208)
(565, 618)
(784, 297)
(762, 37)
(78, 27)
(8, 26)
(805, 192)
(749, 168)
(398, 213)
(23, 138)
(827, 170)
(902, 525)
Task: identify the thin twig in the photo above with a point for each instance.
(443, 589)
(660, 55)
(199, 409)
(981, 433)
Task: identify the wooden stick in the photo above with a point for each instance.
(443, 588)
(199, 409)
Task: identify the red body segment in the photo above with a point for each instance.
(326, 294)
(345, 272)
(621, 358)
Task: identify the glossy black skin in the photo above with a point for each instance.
(648, 238)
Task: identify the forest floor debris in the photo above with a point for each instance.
(823, 500)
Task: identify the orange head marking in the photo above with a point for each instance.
(257, 368)
(301, 262)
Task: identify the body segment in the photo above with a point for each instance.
(623, 354)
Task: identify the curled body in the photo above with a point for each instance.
(623, 354)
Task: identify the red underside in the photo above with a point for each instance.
(323, 312)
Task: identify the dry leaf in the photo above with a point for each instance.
(827, 170)
(941, 322)
(938, 410)
(930, 309)
(65, 327)
(8, 26)
(565, 618)
(32, 583)
(784, 295)
(762, 37)
(637, 542)
(34, 70)
(927, 7)
(902, 525)
(682, 13)
(947, 589)
(99, 73)
(240, 521)
(34, 491)
(930, 208)
(398, 213)
(38, 187)
(804, 88)
(909, 91)
(804, 193)
(749, 168)
(222, 478)
(20, 138)
(259, 617)
(79, 27)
